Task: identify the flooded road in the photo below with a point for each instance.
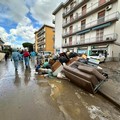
(26, 96)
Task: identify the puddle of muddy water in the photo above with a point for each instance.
(77, 104)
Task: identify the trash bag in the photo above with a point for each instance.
(72, 54)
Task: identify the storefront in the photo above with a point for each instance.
(82, 50)
(100, 49)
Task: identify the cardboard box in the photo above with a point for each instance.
(55, 66)
(72, 60)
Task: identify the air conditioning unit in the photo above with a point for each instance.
(109, 7)
(108, 38)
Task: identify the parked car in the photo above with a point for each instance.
(44, 53)
(99, 57)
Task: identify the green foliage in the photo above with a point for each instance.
(7, 50)
(28, 45)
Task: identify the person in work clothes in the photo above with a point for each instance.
(26, 55)
(32, 55)
(15, 57)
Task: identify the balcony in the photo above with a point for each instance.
(41, 38)
(96, 24)
(75, 7)
(40, 33)
(53, 21)
(54, 37)
(42, 42)
(41, 49)
(92, 9)
(108, 38)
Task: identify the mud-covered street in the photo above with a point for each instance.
(27, 96)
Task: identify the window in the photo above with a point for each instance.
(84, 10)
(70, 41)
(66, 9)
(71, 18)
(101, 2)
(71, 5)
(65, 41)
(83, 22)
(76, 16)
(99, 34)
(101, 17)
(65, 20)
(82, 38)
(71, 29)
(66, 31)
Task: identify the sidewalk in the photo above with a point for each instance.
(111, 88)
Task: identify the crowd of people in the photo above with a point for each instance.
(22, 55)
(42, 62)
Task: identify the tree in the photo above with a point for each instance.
(28, 45)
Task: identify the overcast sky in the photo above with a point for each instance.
(19, 19)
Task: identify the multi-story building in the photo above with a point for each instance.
(1, 44)
(34, 46)
(44, 39)
(89, 26)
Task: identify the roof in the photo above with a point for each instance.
(61, 5)
(43, 27)
(67, 2)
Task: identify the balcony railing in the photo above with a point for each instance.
(40, 33)
(41, 42)
(70, 9)
(102, 20)
(41, 38)
(88, 10)
(92, 40)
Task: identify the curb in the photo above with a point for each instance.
(109, 98)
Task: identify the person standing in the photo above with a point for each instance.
(26, 55)
(6, 56)
(15, 57)
(32, 55)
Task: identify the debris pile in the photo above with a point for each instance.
(84, 72)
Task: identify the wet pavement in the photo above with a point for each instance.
(27, 96)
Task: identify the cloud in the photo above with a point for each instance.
(42, 10)
(30, 3)
(24, 30)
(13, 9)
(19, 19)
(3, 34)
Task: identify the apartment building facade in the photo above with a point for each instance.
(44, 39)
(1, 44)
(90, 26)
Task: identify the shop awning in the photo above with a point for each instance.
(84, 31)
(101, 26)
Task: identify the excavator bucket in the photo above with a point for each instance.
(87, 77)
